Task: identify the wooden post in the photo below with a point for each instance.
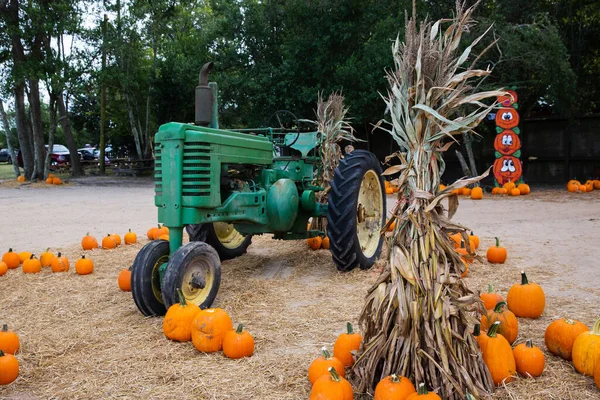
(103, 98)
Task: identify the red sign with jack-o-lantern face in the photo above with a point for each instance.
(507, 118)
(509, 99)
(507, 142)
(507, 168)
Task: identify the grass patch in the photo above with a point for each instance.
(7, 172)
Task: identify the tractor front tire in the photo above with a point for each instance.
(145, 278)
(228, 242)
(356, 211)
(194, 268)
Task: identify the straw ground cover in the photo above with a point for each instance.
(82, 337)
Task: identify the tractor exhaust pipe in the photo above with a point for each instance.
(204, 98)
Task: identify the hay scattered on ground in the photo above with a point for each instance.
(82, 337)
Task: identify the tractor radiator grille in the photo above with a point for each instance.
(157, 172)
(196, 169)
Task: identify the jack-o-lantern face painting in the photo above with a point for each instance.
(507, 142)
(508, 99)
(507, 168)
(507, 118)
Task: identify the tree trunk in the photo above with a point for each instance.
(39, 153)
(66, 126)
(51, 133)
(469, 148)
(11, 150)
(463, 164)
(23, 132)
(147, 135)
(136, 136)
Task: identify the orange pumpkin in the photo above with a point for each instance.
(209, 328)
(515, 192)
(391, 226)
(507, 169)
(32, 265)
(507, 142)
(11, 259)
(21, 179)
(586, 350)
(49, 181)
(572, 188)
(502, 191)
(496, 254)
(331, 386)
(177, 324)
(477, 193)
(60, 263)
(560, 336)
(474, 239)
(238, 343)
(509, 326)
(117, 238)
(496, 190)
(498, 356)
(345, 344)
(394, 387)
(507, 118)
(152, 231)
(163, 237)
(9, 341)
(9, 368)
(526, 300)
(109, 242)
(325, 243)
(582, 188)
(46, 258)
(57, 181)
(124, 280)
(23, 256)
(597, 184)
(84, 266)
(3, 268)
(321, 364)
(423, 394)
(529, 359)
(314, 242)
(597, 375)
(130, 237)
(508, 99)
(490, 299)
(509, 186)
(589, 186)
(465, 191)
(89, 242)
(524, 188)
(479, 337)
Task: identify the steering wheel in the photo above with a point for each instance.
(286, 121)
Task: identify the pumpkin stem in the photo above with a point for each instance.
(462, 244)
(497, 242)
(499, 306)
(529, 343)
(334, 375)
(477, 330)
(87, 234)
(422, 389)
(10, 249)
(31, 258)
(83, 256)
(524, 280)
(59, 254)
(395, 378)
(239, 329)
(493, 329)
(1, 353)
(569, 321)
(182, 301)
(596, 330)
(129, 229)
(326, 354)
(490, 288)
(48, 249)
(349, 328)
(4, 328)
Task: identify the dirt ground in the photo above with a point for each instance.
(82, 337)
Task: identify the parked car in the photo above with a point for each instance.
(5, 156)
(86, 155)
(60, 155)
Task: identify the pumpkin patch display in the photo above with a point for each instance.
(130, 237)
(177, 324)
(3, 268)
(238, 343)
(46, 258)
(394, 387)
(32, 265)
(423, 394)
(507, 142)
(489, 298)
(529, 359)
(321, 365)
(507, 167)
(124, 280)
(11, 259)
(509, 325)
(526, 300)
(330, 386)
(496, 254)
(9, 368)
(9, 341)
(507, 118)
(345, 344)
(498, 356)
(209, 328)
(89, 242)
(560, 336)
(84, 266)
(60, 263)
(586, 350)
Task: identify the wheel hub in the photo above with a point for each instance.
(227, 235)
(369, 213)
(197, 281)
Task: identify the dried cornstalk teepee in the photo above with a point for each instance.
(335, 127)
(418, 316)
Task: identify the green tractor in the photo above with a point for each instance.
(223, 186)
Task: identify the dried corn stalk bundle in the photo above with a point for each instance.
(335, 128)
(417, 317)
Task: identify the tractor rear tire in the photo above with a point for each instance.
(145, 279)
(353, 227)
(194, 268)
(232, 244)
